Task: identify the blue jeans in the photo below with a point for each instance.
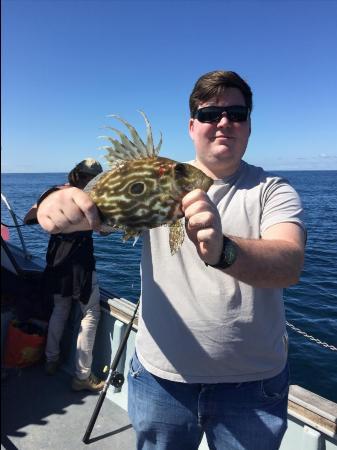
(167, 415)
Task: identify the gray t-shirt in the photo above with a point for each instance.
(200, 325)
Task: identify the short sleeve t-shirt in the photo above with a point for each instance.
(201, 325)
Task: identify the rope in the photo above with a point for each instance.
(311, 338)
(13, 226)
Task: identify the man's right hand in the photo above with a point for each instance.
(68, 210)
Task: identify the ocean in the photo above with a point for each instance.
(311, 305)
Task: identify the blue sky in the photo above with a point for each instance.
(67, 65)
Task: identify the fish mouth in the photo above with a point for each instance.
(205, 183)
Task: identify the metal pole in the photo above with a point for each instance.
(24, 248)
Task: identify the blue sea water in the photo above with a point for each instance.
(311, 305)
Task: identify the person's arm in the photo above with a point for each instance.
(31, 218)
(273, 261)
(68, 210)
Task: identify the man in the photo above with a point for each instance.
(70, 275)
(211, 348)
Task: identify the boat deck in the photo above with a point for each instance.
(42, 412)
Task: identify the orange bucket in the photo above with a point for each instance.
(22, 349)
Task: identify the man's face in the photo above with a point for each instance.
(220, 146)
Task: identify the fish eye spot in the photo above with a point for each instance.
(137, 188)
(180, 170)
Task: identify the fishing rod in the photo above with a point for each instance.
(114, 378)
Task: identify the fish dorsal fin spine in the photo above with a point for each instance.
(157, 149)
(149, 141)
(127, 149)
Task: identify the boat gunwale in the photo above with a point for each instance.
(316, 411)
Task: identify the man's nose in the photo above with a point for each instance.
(224, 120)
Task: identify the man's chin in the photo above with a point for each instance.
(223, 151)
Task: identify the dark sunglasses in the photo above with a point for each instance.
(210, 114)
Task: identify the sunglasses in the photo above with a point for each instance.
(210, 114)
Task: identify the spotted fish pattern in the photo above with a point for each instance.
(142, 190)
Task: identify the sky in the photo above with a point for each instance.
(67, 65)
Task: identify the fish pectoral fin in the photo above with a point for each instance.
(176, 236)
(129, 233)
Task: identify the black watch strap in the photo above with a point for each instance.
(228, 254)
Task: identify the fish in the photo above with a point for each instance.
(142, 190)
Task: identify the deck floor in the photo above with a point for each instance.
(41, 412)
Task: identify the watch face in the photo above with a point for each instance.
(230, 252)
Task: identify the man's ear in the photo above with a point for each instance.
(190, 127)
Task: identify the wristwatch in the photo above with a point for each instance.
(228, 254)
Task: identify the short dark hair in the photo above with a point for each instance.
(76, 177)
(213, 85)
(84, 170)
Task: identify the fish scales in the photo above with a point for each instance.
(157, 194)
(142, 190)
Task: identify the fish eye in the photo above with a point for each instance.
(137, 188)
(180, 170)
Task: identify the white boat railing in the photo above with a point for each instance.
(26, 254)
